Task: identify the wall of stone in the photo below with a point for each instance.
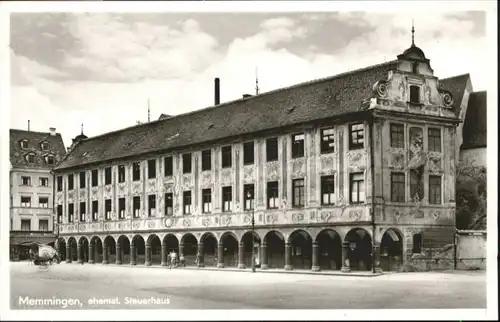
(477, 156)
(471, 250)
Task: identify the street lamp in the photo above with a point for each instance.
(249, 195)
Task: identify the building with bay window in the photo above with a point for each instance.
(32, 157)
(350, 172)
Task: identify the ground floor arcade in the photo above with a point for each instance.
(325, 249)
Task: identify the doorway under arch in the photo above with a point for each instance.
(391, 250)
(330, 250)
(360, 249)
(230, 249)
(275, 249)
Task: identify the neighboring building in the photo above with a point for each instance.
(473, 149)
(32, 157)
(338, 173)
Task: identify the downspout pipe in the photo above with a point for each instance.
(372, 168)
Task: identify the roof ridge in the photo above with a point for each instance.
(36, 132)
(456, 76)
(174, 117)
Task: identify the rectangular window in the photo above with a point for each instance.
(206, 160)
(59, 213)
(43, 202)
(272, 149)
(328, 190)
(168, 166)
(121, 208)
(151, 205)
(226, 156)
(417, 244)
(83, 211)
(206, 200)
(434, 139)
(59, 183)
(71, 212)
(356, 136)
(169, 204)
(272, 195)
(249, 196)
(95, 210)
(26, 181)
(82, 179)
(398, 187)
(186, 163)
(107, 209)
(25, 224)
(107, 175)
(328, 140)
(136, 206)
(95, 178)
(121, 173)
(248, 153)
(44, 182)
(71, 182)
(186, 198)
(414, 94)
(227, 198)
(151, 169)
(397, 135)
(26, 202)
(298, 145)
(298, 198)
(136, 171)
(435, 190)
(43, 225)
(357, 185)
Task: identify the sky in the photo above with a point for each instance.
(100, 69)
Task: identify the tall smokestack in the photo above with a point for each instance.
(217, 91)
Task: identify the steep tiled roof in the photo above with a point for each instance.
(35, 139)
(474, 130)
(322, 98)
(456, 85)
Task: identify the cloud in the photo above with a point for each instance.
(120, 63)
(114, 50)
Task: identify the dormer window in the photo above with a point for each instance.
(45, 146)
(50, 159)
(30, 158)
(414, 67)
(414, 94)
(24, 144)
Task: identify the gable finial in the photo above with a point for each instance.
(82, 128)
(412, 33)
(149, 114)
(256, 80)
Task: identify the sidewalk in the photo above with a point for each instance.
(249, 270)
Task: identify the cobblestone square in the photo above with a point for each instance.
(114, 287)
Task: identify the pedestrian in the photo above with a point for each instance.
(30, 261)
(197, 260)
(174, 259)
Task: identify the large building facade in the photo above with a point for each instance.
(350, 172)
(32, 157)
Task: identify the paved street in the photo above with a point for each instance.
(203, 289)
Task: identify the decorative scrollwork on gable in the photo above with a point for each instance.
(380, 89)
(446, 98)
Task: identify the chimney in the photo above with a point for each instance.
(246, 95)
(217, 91)
(52, 131)
(28, 125)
